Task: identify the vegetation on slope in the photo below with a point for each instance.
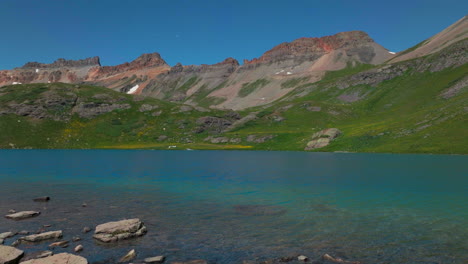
(396, 108)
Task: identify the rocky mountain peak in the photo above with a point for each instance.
(228, 61)
(313, 46)
(92, 61)
(148, 60)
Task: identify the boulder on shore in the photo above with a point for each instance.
(323, 138)
(42, 236)
(62, 258)
(22, 215)
(119, 230)
(10, 255)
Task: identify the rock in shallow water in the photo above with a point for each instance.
(130, 255)
(6, 235)
(62, 258)
(119, 230)
(22, 215)
(42, 236)
(197, 261)
(158, 259)
(10, 255)
(78, 248)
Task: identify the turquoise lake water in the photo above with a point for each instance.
(232, 206)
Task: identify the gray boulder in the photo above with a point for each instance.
(158, 259)
(42, 236)
(10, 255)
(22, 215)
(323, 138)
(119, 230)
(6, 235)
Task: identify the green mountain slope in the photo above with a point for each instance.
(414, 106)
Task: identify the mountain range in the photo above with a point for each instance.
(288, 98)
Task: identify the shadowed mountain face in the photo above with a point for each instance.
(228, 85)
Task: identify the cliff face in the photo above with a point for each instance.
(66, 71)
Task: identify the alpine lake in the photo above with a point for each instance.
(235, 206)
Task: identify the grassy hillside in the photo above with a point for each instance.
(398, 108)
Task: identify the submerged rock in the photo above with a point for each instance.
(197, 261)
(42, 199)
(119, 230)
(22, 215)
(62, 258)
(10, 255)
(130, 255)
(62, 244)
(338, 260)
(42, 236)
(258, 210)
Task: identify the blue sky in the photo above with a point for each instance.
(204, 32)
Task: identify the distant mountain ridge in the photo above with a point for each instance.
(227, 84)
(292, 97)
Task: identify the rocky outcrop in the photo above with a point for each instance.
(62, 258)
(259, 139)
(323, 138)
(119, 230)
(92, 109)
(22, 215)
(455, 89)
(212, 124)
(61, 63)
(146, 60)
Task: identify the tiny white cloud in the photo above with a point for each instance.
(391, 52)
(133, 89)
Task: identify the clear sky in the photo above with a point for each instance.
(204, 32)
